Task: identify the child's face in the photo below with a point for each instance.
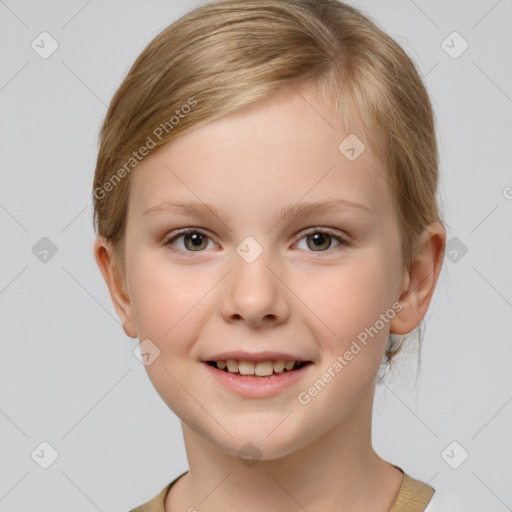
(292, 298)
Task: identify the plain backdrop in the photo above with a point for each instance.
(68, 374)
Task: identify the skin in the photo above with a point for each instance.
(292, 298)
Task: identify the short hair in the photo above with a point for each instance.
(226, 55)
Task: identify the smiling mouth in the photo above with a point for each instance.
(297, 366)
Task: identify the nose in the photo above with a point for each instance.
(254, 294)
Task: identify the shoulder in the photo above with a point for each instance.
(413, 495)
(443, 502)
(156, 504)
(418, 496)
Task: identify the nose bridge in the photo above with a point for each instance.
(254, 293)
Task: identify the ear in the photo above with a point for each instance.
(120, 298)
(419, 280)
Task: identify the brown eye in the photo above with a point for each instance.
(320, 241)
(193, 241)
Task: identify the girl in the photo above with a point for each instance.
(265, 203)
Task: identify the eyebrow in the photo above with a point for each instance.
(298, 209)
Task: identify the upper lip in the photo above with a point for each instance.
(240, 355)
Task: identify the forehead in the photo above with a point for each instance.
(284, 149)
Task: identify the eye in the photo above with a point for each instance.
(319, 240)
(194, 240)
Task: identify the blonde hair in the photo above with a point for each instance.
(226, 55)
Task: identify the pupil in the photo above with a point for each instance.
(195, 238)
(319, 239)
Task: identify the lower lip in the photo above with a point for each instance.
(258, 387)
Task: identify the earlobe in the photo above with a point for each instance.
(419, 280)
(104, 258)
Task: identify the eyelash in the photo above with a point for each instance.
(168, 241)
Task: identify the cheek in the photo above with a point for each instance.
(353, 345)
(169, 304)
(165, 296)
(357, 307)
(351, 297)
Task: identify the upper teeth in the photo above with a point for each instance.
(261, 368)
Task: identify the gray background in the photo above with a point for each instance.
(68, 375)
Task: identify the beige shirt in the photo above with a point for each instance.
(413, 496)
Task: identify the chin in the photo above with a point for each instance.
(259, 441)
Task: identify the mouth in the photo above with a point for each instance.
(258, 379)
